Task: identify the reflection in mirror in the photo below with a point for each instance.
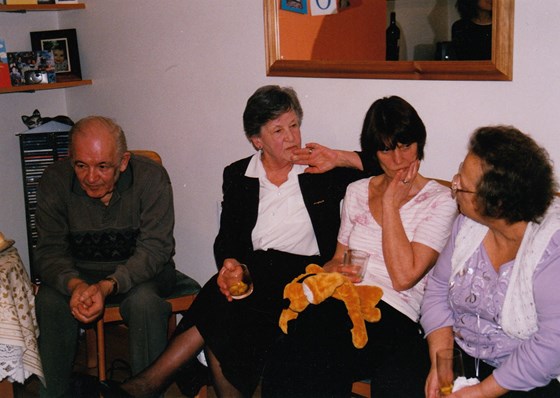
(471, 35)
(351, 43)
(443, 29)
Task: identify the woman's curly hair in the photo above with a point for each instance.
(518, 182)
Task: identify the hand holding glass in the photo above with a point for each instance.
(239, 282)
(449, 364)
(354, 264)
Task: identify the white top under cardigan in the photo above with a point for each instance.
(519, 315)
(283, 222)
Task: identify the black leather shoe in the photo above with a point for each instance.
(112, 389)
(192, 377)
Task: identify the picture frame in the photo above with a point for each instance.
(64, 45)
(299, 6)
(31, 67)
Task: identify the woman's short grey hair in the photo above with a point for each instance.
(268, 103)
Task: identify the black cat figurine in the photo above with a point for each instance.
(35, 120)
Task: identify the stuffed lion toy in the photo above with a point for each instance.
(316, 285)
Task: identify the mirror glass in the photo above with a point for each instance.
(351, 42)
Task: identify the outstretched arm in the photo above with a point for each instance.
(320, 158)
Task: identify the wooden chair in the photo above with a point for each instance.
(361, 389)
(180, 299)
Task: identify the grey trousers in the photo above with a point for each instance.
(143, 311)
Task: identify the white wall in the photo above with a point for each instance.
(177, 73)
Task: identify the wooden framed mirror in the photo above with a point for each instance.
(498, 68)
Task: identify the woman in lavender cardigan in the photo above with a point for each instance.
(495, 289)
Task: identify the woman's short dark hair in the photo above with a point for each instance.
(468, 9)
(389, 121)
(518, 178)
(268, 103)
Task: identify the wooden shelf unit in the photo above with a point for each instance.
(31, 88)
(38, 151)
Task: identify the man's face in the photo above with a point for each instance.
(96, 162)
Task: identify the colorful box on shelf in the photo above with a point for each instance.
(4, 67)
(5, 76)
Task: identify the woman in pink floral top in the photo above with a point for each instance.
(402, 220)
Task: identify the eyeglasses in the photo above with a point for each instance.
(455, 183)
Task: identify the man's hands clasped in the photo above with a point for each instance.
(88, 301)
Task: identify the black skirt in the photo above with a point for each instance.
(552, 389)
(242, 333)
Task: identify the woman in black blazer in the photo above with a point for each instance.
(276, 219)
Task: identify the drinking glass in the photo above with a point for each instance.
(239, 282)
(449, 364)
(355, 264)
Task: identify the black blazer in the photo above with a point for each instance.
(322, 194)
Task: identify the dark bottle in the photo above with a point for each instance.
(392, 36)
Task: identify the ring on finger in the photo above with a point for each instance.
(405, 182)
(310, 150)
